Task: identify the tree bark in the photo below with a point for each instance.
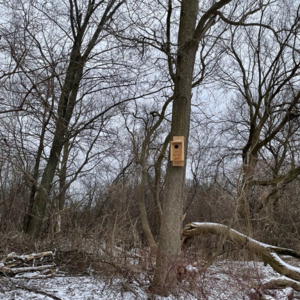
(169, 246)
(65, 109)
(142, 207)
(35, 174)
(62, 189)
(143, 163)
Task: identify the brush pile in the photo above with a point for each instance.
(14, 264)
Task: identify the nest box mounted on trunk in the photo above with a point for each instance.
(177, 151)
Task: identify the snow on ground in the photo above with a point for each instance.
(65, 288)
(224, 280)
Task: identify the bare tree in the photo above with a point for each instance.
(262, 67)
(86, 25)
(191, 33)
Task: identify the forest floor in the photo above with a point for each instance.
(224, 280)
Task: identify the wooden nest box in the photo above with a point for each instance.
(177, 151)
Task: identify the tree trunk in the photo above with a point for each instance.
(142, 207)
(157, 179)
(68, 96)
(35, 174)
(62, 189)
(250, 158)
(143, 162)
(169, 246)
(65, 109)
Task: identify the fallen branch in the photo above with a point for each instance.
(33, 290)
(14, 264)
(268, 253)
(281, 283)
(13, 271)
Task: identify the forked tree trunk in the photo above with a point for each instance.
(65, 110)
(67, 100)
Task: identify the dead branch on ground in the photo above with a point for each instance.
(268, 253)
(14, 264)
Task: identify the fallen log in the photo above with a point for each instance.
(13, 264)
(268, 253)
(13, 271)
(281, 283)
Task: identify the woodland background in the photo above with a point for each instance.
(86, 92)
